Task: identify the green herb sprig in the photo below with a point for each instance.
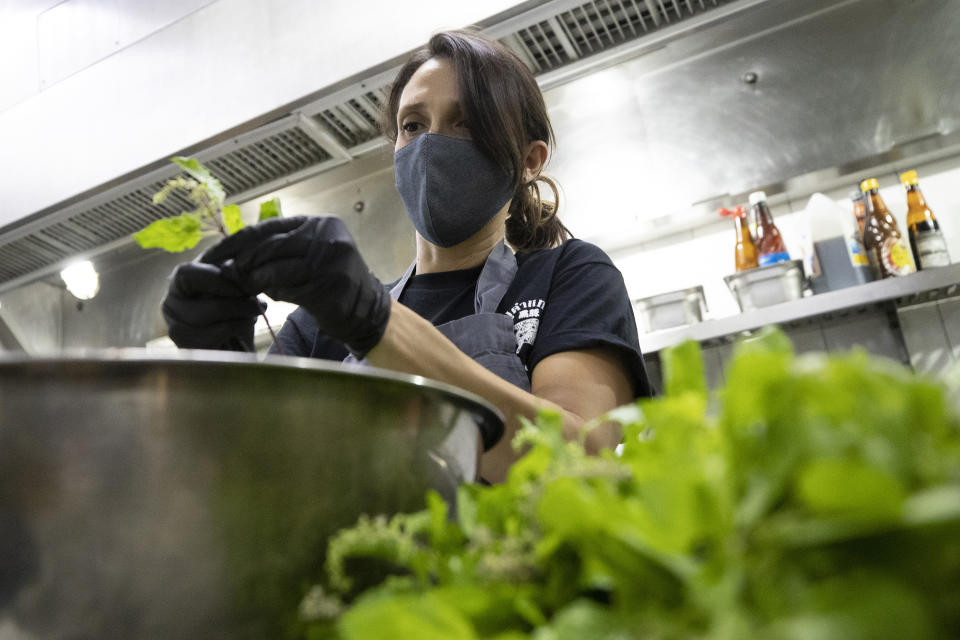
(176, 234)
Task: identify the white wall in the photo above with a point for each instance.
(705, 255)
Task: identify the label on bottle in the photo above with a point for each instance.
(896, 258)
(767, 259)
(858, 255)
(931, 250)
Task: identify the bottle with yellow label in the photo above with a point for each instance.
(926, 240)
(886, 247)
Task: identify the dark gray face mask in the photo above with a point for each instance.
(450, 189)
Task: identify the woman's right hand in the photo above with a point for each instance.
(205, 310)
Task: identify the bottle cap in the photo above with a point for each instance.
(856, 195)
(909, 178)
(869, 184)
(737, 212)
(757, 196)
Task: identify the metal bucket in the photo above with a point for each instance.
(192, 496)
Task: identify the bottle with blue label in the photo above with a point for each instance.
(770, 245)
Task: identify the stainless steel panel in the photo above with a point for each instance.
(925, 338)
(34, 316)
(725, 349)
(8, 340)
(950, 314)
(870, 330)
(361, 193)
(837, 82)
(714, 362)
(807, 339)
(192, 497)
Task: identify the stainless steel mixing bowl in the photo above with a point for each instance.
(191, 496)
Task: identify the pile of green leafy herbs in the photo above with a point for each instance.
(814, 497)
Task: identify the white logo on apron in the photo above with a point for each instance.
(526, 322)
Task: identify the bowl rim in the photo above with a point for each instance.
(489, 419)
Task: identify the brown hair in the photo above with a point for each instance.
(506, 112)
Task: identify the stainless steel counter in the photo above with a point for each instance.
(922, 287)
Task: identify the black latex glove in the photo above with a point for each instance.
(206, 310)
(312, 262)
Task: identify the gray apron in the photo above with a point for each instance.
(486, 336)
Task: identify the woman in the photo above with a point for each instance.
(548, 327)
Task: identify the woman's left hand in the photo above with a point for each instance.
(312, 262)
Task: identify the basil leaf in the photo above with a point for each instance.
(849, 486)
(424, 617)
(175, 234)
(203, 175)
(232, 220)
(270, 209)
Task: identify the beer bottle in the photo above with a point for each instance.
(886, 247)
(745, 252)
(926, 240)
(770, 246)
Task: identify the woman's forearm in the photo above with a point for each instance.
(412, 345)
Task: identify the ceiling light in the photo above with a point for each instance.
(81, 279)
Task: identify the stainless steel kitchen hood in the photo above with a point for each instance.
(335, 127)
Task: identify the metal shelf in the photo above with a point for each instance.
(919, 288)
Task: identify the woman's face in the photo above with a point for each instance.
(430, 103)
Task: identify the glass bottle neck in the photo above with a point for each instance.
(763, 214)
(743, 231)
(879, 206)
(915, 198)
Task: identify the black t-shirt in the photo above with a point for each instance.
(441, 297)
(563, 299)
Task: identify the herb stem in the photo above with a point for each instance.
(216, 220)
(273, 335)
(263, 314)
